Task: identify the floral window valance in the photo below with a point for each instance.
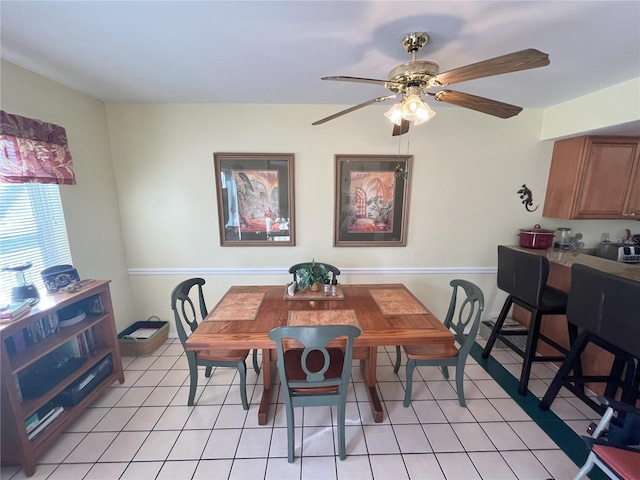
(32, 151)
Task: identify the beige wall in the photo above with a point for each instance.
(91, 207)
(616, 105)
(144, 211)
(466, 172)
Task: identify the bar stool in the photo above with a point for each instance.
(524, 277)
(607, 309)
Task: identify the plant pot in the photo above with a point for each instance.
(315, 287)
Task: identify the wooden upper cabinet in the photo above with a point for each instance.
(594, 177)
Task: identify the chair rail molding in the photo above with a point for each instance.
(285, 271)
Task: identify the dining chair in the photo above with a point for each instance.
(184, 311)
(463, 318)
(335, 271)
(523, 276)
(605, 308)
(315, 375)
(614, 444)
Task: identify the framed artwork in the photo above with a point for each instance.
(255, 199)
(372, 193)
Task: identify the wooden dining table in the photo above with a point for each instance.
(387, 314)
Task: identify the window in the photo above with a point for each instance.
(32, 229)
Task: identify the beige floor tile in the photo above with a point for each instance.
(457, 466)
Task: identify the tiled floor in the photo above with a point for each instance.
(144, 430)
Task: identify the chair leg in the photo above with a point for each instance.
(342, 449)
(629, 386)
(586, 468)
(460, 384)
(291, 430)
(411, 365)
(577, 368)
(530, 351)
(193, 379)
(256, 367)
(242, 370)
(497, 327)
(207, 371)
(396, 366)
(445, 372)
(615, 375)
(565, 368)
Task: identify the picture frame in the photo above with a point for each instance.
(255, 193)
(371, 200)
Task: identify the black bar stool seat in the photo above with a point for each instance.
(607, 310)
(524, 277)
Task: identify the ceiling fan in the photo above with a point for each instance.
(413, 79)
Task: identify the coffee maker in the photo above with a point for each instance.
(25, 289)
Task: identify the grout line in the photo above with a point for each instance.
(548, 421)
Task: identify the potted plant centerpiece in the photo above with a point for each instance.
(311, 276)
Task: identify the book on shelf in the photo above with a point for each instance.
(40, 416)
(34, 428)
(41, 329)
(13, 311)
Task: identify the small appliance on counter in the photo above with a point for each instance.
(536, 237)
(618, 252)
(629, 254)
(563, 238)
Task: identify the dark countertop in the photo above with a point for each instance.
(569, 257)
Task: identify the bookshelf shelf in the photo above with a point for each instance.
(34, 344)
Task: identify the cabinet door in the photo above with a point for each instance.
(607, 179)
(632, 208)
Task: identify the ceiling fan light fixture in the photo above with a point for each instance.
(424, 114)
(395, 114)
(410, 106)
(415, 110)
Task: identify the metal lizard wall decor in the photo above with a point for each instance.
(527, 198)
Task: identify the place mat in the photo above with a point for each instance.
(237, 306)
(309, 295)
(308, 318)
(397, 302)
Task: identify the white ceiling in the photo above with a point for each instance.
(275, 52)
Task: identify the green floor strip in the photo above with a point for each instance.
(568, 441)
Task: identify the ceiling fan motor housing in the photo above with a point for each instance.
(420, 74)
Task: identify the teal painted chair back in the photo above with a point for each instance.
(463, 319)
(463, 316)
(186, 313)
(335, 271)
(184, 310)
(314, 375)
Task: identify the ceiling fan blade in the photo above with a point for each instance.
(512, 62)
(355, 107)
(384, 83)
(480, 104)
(401, 129)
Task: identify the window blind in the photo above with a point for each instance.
(32, 229)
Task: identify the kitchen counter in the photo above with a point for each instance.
(569, 257)
(595, 361)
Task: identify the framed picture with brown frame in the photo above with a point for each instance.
(371, 202)
(255, 199)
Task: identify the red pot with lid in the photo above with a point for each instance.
(536, 237)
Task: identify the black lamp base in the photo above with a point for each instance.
(25, 292)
